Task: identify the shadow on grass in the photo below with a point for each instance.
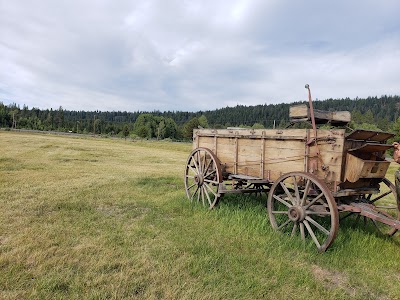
(366, 226)
(164, 183)
(243, 201)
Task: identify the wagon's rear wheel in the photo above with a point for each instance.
(386, 203)
(300, 203)
(202, 177)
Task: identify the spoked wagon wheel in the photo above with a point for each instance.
(385, 202)
(202, 177)
(299, 202)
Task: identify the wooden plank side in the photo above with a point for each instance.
(249, 169)
(268, 153)
(206, 142)
(226, 152)
(249, 147)
(226, 146)
(279, 156)
(283, 156)
(249, 157)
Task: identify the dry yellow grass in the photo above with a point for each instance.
(68, 202)
(87, 218)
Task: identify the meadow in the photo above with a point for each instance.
(98, 218)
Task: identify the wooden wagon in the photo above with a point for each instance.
(313, 177)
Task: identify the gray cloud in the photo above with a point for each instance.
(187, 55)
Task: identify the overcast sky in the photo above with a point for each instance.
(195, 55)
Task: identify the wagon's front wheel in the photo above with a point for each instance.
(203, 175)
(300, 203)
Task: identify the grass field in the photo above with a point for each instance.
(87, 218)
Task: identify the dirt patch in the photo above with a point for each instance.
(110, 210)
(333, 279)
(115, 211)
(336, 279)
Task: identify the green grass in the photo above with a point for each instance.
(109, 219)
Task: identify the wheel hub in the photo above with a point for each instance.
(296, 213)
(199, 179)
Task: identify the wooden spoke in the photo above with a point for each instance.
(203, 165)
(210, 189)
(208, 166)
(320, 227)
(198, 194)
(280, 212)
(284, 224)
(282, 201)
(209, 199)
(302, 233)
(202, 196)
(348, 215)
(195, 162)
(211, 181)
(295, 225)
(380, 196)
(194, 194)
(193, 185)
(306, 189)
(314, 200)
(211, 173)
(194, 170)
(312, 234)
(375, 224)
(296, 190)
(321, 213)
(287, 192)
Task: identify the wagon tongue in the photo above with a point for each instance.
(368, 211)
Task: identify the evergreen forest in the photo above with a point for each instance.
(369, 113)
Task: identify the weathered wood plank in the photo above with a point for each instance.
(299, 111)
(268, 153)
(357, 168)
(302, 112)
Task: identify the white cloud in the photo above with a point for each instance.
(186, 55)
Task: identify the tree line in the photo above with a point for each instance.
(370, 113)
